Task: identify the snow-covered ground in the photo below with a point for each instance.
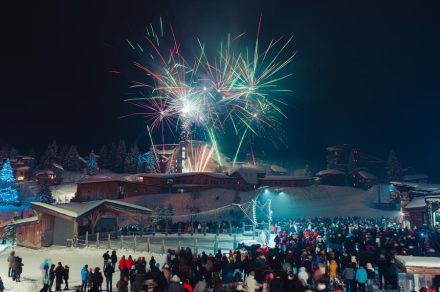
(320, 201)
(74, 258)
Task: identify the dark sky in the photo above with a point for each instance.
(366, 72)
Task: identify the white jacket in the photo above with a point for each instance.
(251, 284)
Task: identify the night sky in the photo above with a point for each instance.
(366, 73)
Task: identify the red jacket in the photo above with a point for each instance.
(122, 264)
(129, 262)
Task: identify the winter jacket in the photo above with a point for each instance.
(349, 273)
(251, 284)
(11, 259)
(51, 274)
(129, 263)
(175, 287)
(108, 271)
(122, 264)
(84, 273)
(114, 258)
(201, 286)
(361, 275)
(303, 276)
(333, 269)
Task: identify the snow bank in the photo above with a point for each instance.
(74, 258)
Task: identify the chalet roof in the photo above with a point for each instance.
(417, 202)
(248, 173)
(25, 220)
(277, 168)
(45, 171)
(177, 175)
(417, 176)
(102, 179)
(22, 167)
(367, 175)
(284, 177)
(76, 210)
(412, 262)
(330, 172)
(421, 187)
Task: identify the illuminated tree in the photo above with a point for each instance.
(8, 192)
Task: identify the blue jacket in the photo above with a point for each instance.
(361, 275)
(84, 273)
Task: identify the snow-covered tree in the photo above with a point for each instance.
(160, 214)
(72, 161)
(13, 153)
(50, 155)
(61, 156)
(121, 153)
(104, 157)
(8, 192)
(393, 168)
(45, 194)
(130, 162)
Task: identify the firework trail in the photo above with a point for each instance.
(210, 94)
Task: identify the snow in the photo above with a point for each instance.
(367, 175)
(412, 261)
(417, 176)
(417, 202)
(284, 177)
(322, 200)
(330, 172)
(76, 210)
(75, 258)
(26, 220)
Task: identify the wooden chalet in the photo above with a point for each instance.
(54, 224)
(362, 179)
(420, 271)
(331, 177)
(285, 181)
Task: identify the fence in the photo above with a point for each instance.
(160, 243)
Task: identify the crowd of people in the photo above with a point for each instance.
(320, 254)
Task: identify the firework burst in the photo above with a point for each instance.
(207, 95)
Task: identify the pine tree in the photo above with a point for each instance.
(4, 152)
(61, 156)
(121, 153)
(160, 213)
(112, 157)
(130, 163)
(72, 161)
(103, 157)
(393, 168)
(13, 153)
(8, 192)
(50, 155)
(44, 193)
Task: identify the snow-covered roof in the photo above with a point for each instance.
(101, 179)
(76, 210)
(417, 202)
(412, 261)
(277, 168)
(25, 220)
(417, 176)
(424, 187)
(330, 172)
(284, 177)
(367, 175)
(248, 172)
(176, 175)
(22, 168)
(56, 165)
(45, 171)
